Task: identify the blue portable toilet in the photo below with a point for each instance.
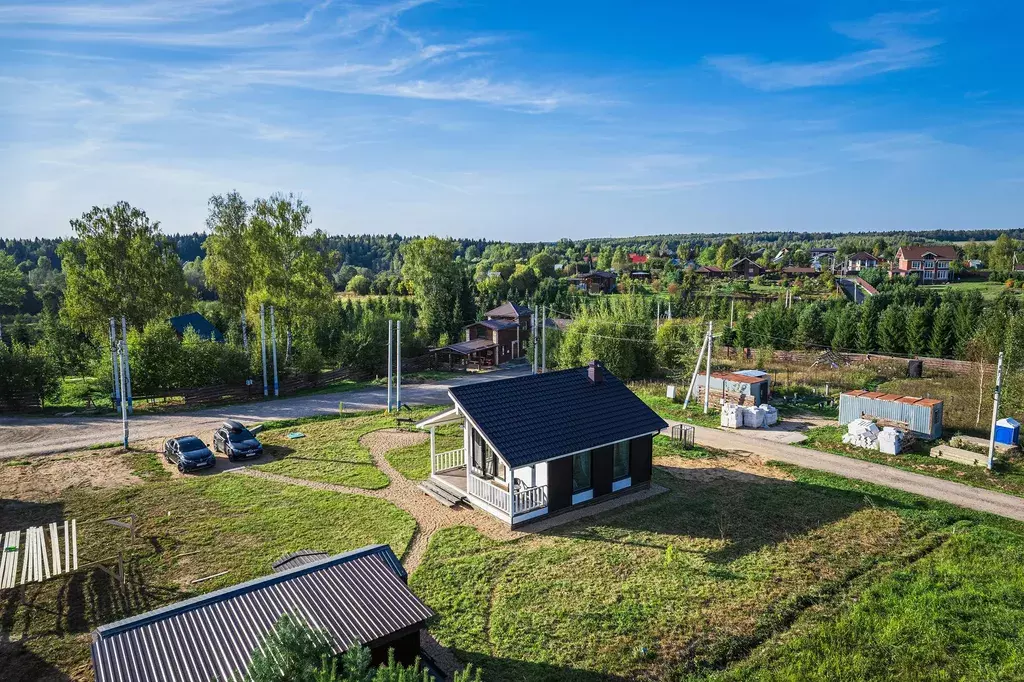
(1007, 431)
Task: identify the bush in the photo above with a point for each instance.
(360, 284)
(26, 372)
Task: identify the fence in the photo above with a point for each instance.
(205, 395)
(24, 402)
(808, 357)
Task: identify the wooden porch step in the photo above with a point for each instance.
(442, 495)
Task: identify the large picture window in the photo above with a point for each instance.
(581, 472)
(620, 461)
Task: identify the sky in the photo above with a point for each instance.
(523, 120)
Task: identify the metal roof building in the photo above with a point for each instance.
(922, 416)
(360, 596)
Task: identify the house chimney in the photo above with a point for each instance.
(594, 372)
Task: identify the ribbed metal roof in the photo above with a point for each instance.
(359, 596)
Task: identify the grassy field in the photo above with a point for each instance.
(1008, 476)
(794, 576)
(188, 528)
(954, 615)
(330, 451)
(414, 461)
(989, 290)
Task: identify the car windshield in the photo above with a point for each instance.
(190, 444)
(239, 436)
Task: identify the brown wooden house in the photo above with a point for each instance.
(745, 267)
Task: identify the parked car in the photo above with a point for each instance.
(236, 441)
(189, 453)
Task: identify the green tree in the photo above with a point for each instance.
(439, 283)
(618, 332)
(810, 329)
(543, 265)
(867, 326)
(890, 332)
(620, 260)
(359, 284)
(1000, 255)
(966, 320)
(228, 263)
(120, 264)
(918, 330)
(12, 282)
(292, 652)
(156, 357)
(845, 336)
(940, 345)
(675, 346)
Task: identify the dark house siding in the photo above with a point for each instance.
(560, 483)
(406, 648)
(601, 470)
(640, 454)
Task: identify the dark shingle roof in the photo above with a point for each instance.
(358, 596)
(508, 309)
(533, 418)
(917, 252)
(204, 328)
(496, 325)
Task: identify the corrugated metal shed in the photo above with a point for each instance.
(360, 596)
(922, 416)
(735, 384)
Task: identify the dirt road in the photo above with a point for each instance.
(25, 436)
(959, 494)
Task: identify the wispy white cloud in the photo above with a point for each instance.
(897, 49)
(702, 180)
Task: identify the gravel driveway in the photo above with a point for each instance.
(25, 436)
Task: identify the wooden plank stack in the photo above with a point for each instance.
(41, 555)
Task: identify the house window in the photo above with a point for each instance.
(581, 472)
(620, 461)
(927, 274)
(915, 265)
(943, 265)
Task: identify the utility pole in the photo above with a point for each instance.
(245, 335)
(707, 376)
(533, 329)
(273, 350)
(263, 346)
(398, 366)
(732, 312)
(390, 358)
(544, 339)
(123, 357)
(657, 314)
(995, 412)
(127, 388)
(113, 364)
(696, 370)
(670, 310)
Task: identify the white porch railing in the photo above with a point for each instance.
(528, 499)
(445, 461)
(489, 493)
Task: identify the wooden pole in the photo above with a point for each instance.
(707, 376)
(995, 412)
(391, 324)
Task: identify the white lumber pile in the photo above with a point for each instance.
(40, 556)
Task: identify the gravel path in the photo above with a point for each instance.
(430, 514)
(25, 436)
(959, 494)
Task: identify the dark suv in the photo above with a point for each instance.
(236, 441)
(189, 453)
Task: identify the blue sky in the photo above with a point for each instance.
(517, 120)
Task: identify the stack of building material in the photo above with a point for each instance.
(890, 440)
(753, 418)
(731, 416)
(771, 415)
(862, 433)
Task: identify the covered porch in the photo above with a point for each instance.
(485, 481)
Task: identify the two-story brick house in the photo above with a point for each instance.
(929, 263)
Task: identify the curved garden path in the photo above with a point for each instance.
(430, 515)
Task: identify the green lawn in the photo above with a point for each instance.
(414, 461)
(989, 290)
(953, 615)
(704, 580)
(1007, 478)
(330, 451)
(188, 528)
(653, 393)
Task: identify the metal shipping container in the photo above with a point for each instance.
(922, 416)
